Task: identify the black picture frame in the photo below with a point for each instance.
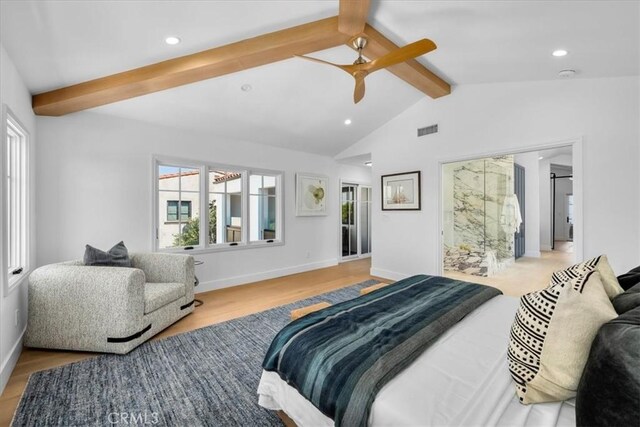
(415, 178)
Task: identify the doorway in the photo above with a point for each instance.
(562, 205)
(482, 237)
(355, 221)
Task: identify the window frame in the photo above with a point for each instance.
(10, 122)
(205, 167)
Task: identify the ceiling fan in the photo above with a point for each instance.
(361, 68)
(348, 27)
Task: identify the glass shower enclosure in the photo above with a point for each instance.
(479, 215)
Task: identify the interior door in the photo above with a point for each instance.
(519, 180)
(349, 230)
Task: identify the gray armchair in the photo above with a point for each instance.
(108, 309)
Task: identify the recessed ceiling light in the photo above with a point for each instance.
(559, 52)
(347, 122)
(246, 87)
(567, 73)
(540, 158)
(172, 40)
(368, 163)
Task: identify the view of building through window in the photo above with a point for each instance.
(225, 206)
(179, 204)
(178, 187)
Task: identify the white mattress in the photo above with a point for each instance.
(461, 380)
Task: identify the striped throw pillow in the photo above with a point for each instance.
(551, 336)
(601, 264)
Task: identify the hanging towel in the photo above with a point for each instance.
(511, 219)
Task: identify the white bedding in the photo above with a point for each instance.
(461, 380)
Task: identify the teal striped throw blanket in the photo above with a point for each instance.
(340, 357)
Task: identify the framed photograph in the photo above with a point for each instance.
(311, 195)
(401, 191)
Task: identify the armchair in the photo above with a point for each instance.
(108, 309)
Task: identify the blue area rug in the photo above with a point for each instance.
(206, 377)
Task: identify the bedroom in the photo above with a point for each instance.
(91, 177)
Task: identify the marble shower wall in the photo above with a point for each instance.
(499, 183)
(475, 237)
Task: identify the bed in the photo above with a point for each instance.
(462, 378)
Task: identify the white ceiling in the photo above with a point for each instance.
(296, 104)
(555, 152)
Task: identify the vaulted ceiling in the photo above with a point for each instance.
(293, 103)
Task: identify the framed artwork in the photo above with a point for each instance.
(311, 195)
(401, 191)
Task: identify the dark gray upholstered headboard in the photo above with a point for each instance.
(609, 390)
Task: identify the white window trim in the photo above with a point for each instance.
(12, 282)
(204, 167)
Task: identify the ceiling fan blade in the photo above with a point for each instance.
(358, 92)
(403, 54)
(342, 67)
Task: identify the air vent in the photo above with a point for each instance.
(428, 130)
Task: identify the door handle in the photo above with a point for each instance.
(567, 220)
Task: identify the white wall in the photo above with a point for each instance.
(95, 186)
(476, 120)
(545, 205)
(15, 95)
(529, 161)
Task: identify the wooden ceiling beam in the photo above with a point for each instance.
(353, 16)
(412, 72)
(231, 58)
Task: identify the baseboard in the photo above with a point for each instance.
(10, 362)
(387, 274)
(545, 248)
(532, 254)
(265, 275)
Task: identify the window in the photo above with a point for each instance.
(242, 206)
(172, 210)
(16, 215)
(225, 206)
(263, 204)
(178, 187)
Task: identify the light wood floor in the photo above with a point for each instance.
(230, 303)
(525, 275)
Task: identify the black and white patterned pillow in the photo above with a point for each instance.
(528, 333)
(575, 272)
(561, 320)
